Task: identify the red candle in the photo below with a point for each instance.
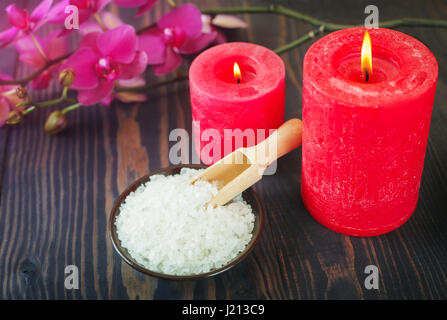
(235, 86)
(364, 141)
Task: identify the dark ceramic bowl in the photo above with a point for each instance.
(249, 196)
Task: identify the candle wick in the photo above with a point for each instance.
(366, 75)
(238, 80)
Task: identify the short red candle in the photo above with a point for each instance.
(364, 142)
(219, 102)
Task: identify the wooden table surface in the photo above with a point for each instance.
(57, 191)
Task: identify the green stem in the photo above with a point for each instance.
(70, 108)
(64, 92)
(99, 21)
(63, 98)
(414, 22)
(150, 26)
(272, 9)
(179, 77)
(172, 4)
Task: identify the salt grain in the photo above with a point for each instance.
(165, 227)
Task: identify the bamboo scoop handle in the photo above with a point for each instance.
(287, 138)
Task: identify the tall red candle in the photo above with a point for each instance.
(221, 100)
(364, 142)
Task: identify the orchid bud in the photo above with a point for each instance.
(14, 117)
(56, 122)
(17, 17)
(66, 77)
(21, 92)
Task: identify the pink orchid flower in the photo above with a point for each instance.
(8, 98)
(53, 47)
(143, 5)
(23, 23)
(86, 8)
(179, 31)
(103, 58)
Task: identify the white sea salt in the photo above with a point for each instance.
(165, 227)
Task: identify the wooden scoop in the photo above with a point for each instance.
(244, 167)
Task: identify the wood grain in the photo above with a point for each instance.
(56, 192)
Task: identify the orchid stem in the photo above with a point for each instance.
(150, 26)
(272, 9)
(70, 108)
(63, 98)
(308, 36)
(152, 85)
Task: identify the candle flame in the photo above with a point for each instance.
(366, 60)
(237, 72)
